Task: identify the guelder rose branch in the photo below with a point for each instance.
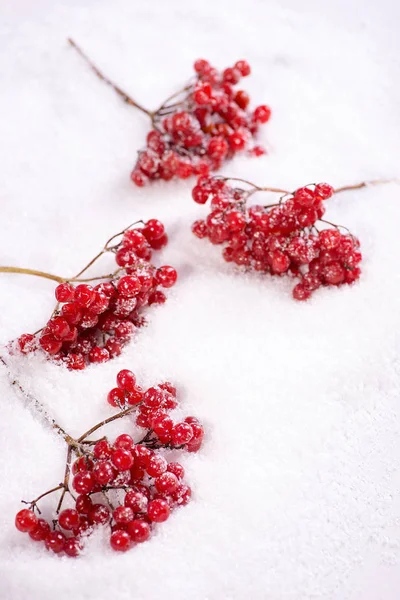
(197, 128)
(126, 486)
(92, 324)
(286, 238)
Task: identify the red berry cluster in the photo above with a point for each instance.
(153, 407)
(207, 126)
(280, 238)
(126, 486)
(92, 324)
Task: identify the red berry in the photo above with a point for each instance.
(166, 276)
(242, 99)
(99, 355)
(139, 531)
(73, 547)
(153, 230)
(103, 472)
(120, 541)
(99, 514)
(68, 519)
(124, 441)
(41, 531)
(26, 520)
(55, 541)
(244, 67)
(83, 504)
(126, 380)
(182, 433)
(201, 65)
(27, 343)
(84, 295)
(50, 344)
(123, 515)
(83, 482)
(129, 286)
(116, 397)
(102, 449)
(262, 114)
(166, 483)
(200, 195)
(176, 469)
(64, 292)
(329, 239)
(136, 501)
(156, 465)
(122, 459)
(139, 178)
(158, 510)
(324, 190)
(300, 292)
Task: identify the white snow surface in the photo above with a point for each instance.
(296, 490)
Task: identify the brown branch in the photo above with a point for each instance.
(119, 415)
(88, 265)
(364, 184)
(36, 500)
(127, 99)
(66, 478)
(32, 272)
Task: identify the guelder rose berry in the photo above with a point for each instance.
(279, 239)
(125, 487)
(93, 323)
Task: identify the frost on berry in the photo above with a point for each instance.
(92, 323)
(279, 239)
(205, 125)
(127, 486)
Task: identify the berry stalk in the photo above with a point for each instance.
(125, 97)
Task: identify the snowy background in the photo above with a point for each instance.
(296, 491)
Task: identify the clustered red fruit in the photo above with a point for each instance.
(281, 238)
(126, 486)
(92, 324)
(153, 406)
(209, 125)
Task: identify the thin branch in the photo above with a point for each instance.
(364, 184)
(89, 264)
(33, 502)
(119, 415)
(38, 406)
(66, 478)
(32, 272)
(127, 99)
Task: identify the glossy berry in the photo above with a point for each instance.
(73, 547)
(68, 519)
(83, 482)
(26, 520)
(40, 532)
(158, 510)
(126, 380)
(139, 531)
(166, 276)
(99, 514)
(55, 541)
(122, 459)
(182, 433)
(120, 541)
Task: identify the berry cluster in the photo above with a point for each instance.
(92, 324)
(126, 486)
(279, 238)
(209, 124)
(153, 405)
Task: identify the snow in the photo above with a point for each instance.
(296, 491)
